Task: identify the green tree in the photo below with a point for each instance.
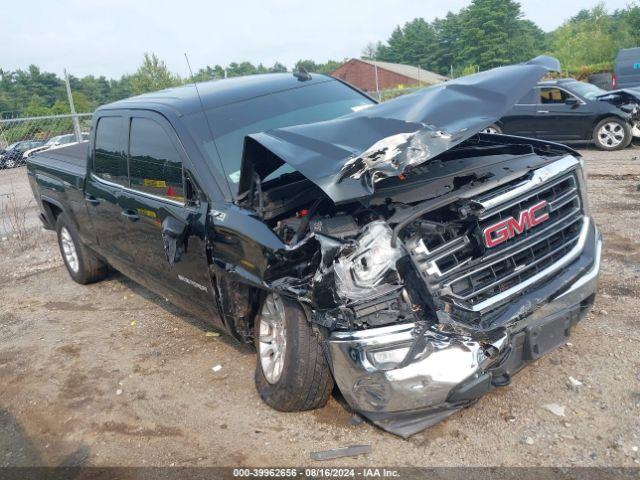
(277, 68)
(152, 75)
(591, 37)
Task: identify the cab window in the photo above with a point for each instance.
(109, 159)
(155, 166)
(553, 95)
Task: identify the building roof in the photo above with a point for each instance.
(418, 74)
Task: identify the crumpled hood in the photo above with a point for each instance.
(346, 156)
(623, 94)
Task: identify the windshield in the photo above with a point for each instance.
(587, 90)
(232, 123)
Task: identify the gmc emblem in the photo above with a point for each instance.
(504, 230)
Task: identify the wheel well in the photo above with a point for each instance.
(52, 210)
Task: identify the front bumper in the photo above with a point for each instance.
(450, 370)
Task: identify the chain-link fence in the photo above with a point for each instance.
(23, 137)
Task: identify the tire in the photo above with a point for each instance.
(611, 134)
(9, 163)
(305, 381)
(87, 267)
(493, 128)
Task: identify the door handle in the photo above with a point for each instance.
(92, 200)
(542, 111)
(130, 214)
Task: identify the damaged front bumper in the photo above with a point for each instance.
(450, 369)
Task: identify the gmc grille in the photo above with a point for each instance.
(458, 266)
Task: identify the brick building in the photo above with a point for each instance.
(362, 74)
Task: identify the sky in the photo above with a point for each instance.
(109, 37)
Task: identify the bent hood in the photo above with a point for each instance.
(621, 95)
(346, 156)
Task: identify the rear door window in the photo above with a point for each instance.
(109, 159)
(155, 165)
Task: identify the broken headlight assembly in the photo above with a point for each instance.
(363, 272)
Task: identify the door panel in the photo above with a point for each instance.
(521, 120)
(165, 231)
(104, 185)
(558, 120)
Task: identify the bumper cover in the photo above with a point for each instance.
(435, 372)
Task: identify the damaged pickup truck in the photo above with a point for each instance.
(389, 248)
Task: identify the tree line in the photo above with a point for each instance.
(485, 34)
(490, 33)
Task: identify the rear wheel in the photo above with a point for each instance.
(612, 134)
(292, 373)
(82, 264)
(10, 163)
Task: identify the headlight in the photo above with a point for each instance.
(374, 256)
(359, 272)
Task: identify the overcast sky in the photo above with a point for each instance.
(109, 37)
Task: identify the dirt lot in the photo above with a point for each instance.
(111, 374)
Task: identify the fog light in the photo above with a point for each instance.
(388, 358)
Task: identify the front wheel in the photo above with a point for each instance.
(612, 134)
(292, 373)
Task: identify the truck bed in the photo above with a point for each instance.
(70, 160)
(57, 179)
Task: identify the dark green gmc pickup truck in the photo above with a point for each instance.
(389, 248)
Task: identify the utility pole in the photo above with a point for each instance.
(419, 79)
(375, 69)
(76, 123)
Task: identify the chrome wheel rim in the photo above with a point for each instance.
(611, 134)
(10, 163)
(69, 249)
(273, 339)
(490, 130)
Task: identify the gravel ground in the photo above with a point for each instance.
(111, 374)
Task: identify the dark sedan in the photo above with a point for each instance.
(567, 110)
(12, 155)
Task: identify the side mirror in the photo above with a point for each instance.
(572, 102)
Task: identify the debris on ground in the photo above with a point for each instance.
(212, 334)
(350, 451)
(356, 419)
(119, 391)
(574, 383)
(133, 323)
(216, 368)
(556, 409)
(529, 441)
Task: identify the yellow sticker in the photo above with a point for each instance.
(147, 213)
(147, 182)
